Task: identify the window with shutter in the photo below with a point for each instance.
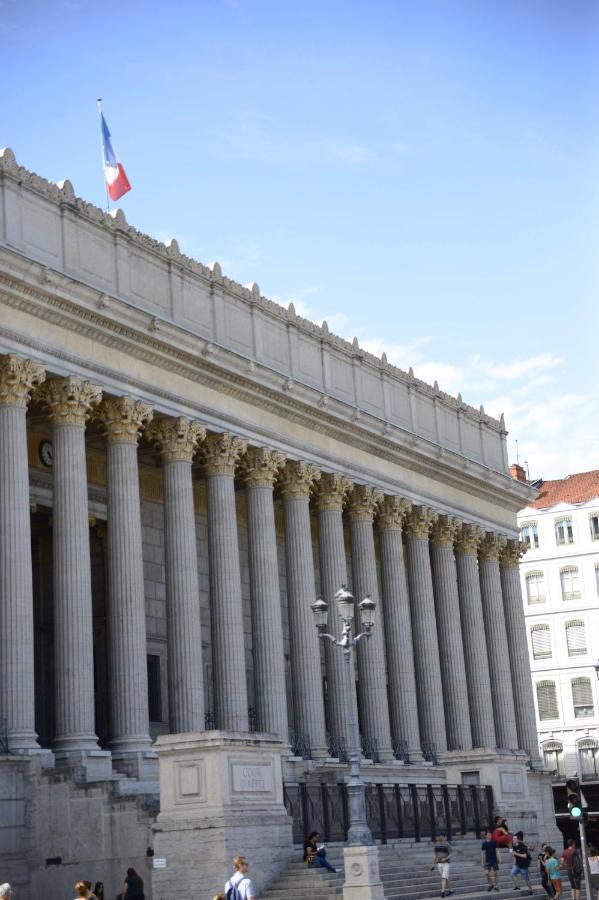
(529, 533)
(570, 583)
(547, 700)
(564, 533)
(594, 525)
(541, 641)
(553, 757)
(535, 587)
(582, 698)
(576, 639)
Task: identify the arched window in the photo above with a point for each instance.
(564, 533)
(540, 636)
(588, 753)
(535, 587)
(570, 583)
(553, 757)
(582, 698)
(547, 700)
(576, 638)
(529, 533)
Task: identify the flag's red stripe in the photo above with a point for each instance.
(120, 185)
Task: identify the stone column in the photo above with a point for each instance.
(449, 630)
(397, 628)
(330, 494)
(296, 481)
(473, 636)
(497, 643)
(221, 454)
(18, 377)
(70, 401)
(372, 682)
(177, 440)
(123, 418)
(429, 687)
(518, 649)
(259, 469)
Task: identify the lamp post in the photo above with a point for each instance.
(359, 833)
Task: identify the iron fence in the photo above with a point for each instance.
(394, 811)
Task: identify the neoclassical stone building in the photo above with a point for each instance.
(184, 467)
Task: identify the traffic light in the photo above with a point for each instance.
(574, 798)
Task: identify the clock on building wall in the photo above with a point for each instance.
(46, 453)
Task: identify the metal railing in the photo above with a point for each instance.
(400, 750)
(337, 749)
(394, 811)
(370, 749)
(300, 744)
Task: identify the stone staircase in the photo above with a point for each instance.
(405, 868)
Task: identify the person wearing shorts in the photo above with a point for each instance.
(489, 860)
(441, 858)
(521, 857)
(552, 867)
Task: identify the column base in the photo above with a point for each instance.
(96, 763)
(139, 764)
(362, 878)
(43, 756)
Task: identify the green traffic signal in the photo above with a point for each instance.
(574, 797)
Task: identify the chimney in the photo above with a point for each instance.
(517, 472)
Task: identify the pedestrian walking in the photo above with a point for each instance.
(489, 860)
(545, 882)
(81, 890)
(522, 859)
(239, 886)
(133, 889)
(593, 857)
(572, 862)
(441, 860)
(552, 867)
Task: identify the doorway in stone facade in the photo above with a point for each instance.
(43, 623)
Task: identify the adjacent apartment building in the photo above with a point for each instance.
(560, 588)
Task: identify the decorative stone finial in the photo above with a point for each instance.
(331, 491)
(176, 439)
(18, 377)
(123, 418)
(392, 512)
(69, 400)
(364, 501)
(297, 478)
(221, 453)
(260, 465)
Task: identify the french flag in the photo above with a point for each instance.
(117, 182)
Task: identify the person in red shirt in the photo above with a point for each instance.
(500, 834)
(572, 861)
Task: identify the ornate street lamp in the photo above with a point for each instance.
(359, 833)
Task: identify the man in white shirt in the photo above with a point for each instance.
(241, 880)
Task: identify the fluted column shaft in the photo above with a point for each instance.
(17, 690)
(372, 672)
(473, 635)
(429, 688)
(518, 649)
(177, 441)
(497, 642)
(259, 469)
(449, 631)
(308, 701)
(403, 708)
(69, 401)
(123, 418)
(222, 452)
(330, 495)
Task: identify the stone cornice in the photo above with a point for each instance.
(259, 466)
(392, 512)
(177, 439)
(297, 479)
(69, 400)
(18, 377)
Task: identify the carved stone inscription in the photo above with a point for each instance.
(252, 779)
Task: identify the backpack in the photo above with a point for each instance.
(233, 892)
(577, 866)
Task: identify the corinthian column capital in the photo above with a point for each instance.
(221, 453)
(123, 418)
(392, 512)
(69, 400)
(363, 502)
(260, 465)
(176, 439)
(469, 538)
(511, 553)
(419, 521)
(331, 491)
(18, 377)
(445, 530)
(491, 546)
(297, 478)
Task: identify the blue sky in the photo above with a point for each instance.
(424, 175)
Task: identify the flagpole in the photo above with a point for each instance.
(103, 160)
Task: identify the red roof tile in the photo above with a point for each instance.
(572, 489)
